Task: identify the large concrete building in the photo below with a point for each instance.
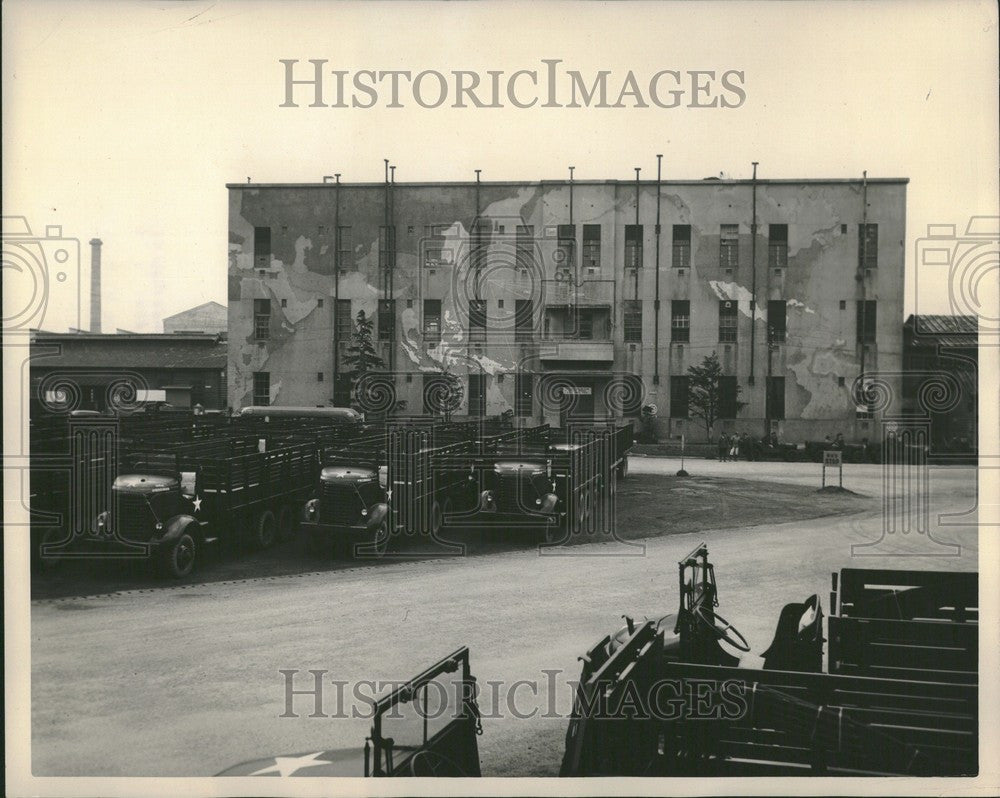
(563, 299)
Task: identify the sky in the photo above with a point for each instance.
(125, 120)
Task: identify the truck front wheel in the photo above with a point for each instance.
(265, 531)
(178, 559)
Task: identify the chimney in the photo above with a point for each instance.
(95, 285)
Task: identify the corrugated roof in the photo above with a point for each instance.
(943, 329)
(129, 351)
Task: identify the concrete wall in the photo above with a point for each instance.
(822, 272)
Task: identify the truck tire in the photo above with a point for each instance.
(46, 564)
(437, 519)
(265, 530)
(286, 522)
(380, 540)
(178, 560)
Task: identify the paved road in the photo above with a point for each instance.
(185, 681)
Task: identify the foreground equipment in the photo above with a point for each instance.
(680, 696)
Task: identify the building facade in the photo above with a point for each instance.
(576, 299)
(941, 380)
(91, 371)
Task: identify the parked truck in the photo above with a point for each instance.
(166, 504)
(397, 480)
(558, 482)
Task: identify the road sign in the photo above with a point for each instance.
(833, 459)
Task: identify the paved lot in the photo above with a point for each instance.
(185, 681)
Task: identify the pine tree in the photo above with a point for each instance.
(705, 392)
(361, 356)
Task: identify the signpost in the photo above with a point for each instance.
(833, 459)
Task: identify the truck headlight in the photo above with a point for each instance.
(312, 509)
(364, 511)
(159, 526)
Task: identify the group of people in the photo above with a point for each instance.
(743, 446)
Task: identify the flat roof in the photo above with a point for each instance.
(565, 182)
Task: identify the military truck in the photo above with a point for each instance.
(396, 480)
(679, 695)
(561, 483)
(167, 504)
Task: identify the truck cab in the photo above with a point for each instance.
(350, 507)
(153, 511)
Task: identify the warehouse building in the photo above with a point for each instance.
(571, 299)
(94, 371)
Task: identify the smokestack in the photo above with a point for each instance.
(95, 285)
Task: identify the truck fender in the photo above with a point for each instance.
(549, 502)
(377, 514)
(177, 526)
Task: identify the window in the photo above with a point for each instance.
(592, 246)
(344, 248)
(261, 388)
(566, 246)
(727, 397)
(262, 319)
(729, 246)
(477, 320)
(319, 302)
(523, 319)
(633, 321)
(262, 247)
(633, 246)
(776, 397)
(682, 246)
(479, 242)
(777, 246)
(584, 324)
(680, 320)
(386, 247)
(477, 395)
(678, 397)
(387, 319)
(432, 319)
(524, 394)
(866, 321)
(727, 320)
(342, 391)
(776, 321)
(319, 376)
(344, 321)
(524, 242)
(867, 246)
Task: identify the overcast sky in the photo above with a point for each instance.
(125, 120)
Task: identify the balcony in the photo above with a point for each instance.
(576, 349)
(585, 292)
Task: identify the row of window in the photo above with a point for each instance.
(579, 323)
(436, 253)
(524, 394)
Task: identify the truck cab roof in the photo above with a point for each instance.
(145, 483)
(341, 473)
